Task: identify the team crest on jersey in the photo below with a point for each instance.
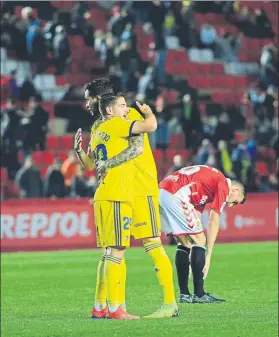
(198, 223)
(203, 199)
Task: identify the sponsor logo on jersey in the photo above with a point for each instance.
(140, 224)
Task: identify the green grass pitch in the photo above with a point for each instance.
(50, 294)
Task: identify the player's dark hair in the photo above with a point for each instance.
(108, 100)
(99, 87)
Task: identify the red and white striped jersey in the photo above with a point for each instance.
(202, 184)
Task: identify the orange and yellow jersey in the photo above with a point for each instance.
(146, 180)
(108, 140)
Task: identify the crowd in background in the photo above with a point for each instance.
(210, 138)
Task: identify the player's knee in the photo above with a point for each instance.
(116, 251)
(147, 241)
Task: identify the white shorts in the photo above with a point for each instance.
(178, 217)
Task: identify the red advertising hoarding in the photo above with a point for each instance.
(69, 224)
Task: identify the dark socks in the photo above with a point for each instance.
(197, 264)
(182, 263)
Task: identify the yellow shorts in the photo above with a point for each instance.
(146, 218)
(113, 223)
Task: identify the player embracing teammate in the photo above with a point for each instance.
(126, 203)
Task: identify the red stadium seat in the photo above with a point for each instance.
(4, 174)
(67, 142)
(52, 142)
(158, 156)
(47, 158)
(37, 158)
(170, 153)
(240, 82)
(262, 168)
(61, 81)
(63, 155)
(217, 69)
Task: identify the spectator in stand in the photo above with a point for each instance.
(236, 45)
(227, 48)
(69, 169)
(146, 83)
(178, 163)
(157, 14)
(27, 89)
(223, 160)
(223, 130)
(61, 50)
(49, 31)
(206, 154)
(28, 19)
(208, 36)
(190, 122)
(39, 121)
(54, 186)
(11, 137)
(271, 96)
(256, 97)
(245, 22)
(241, 162)
(263, 24)
(124, 57)
(14, 90)
(107, 46)
(80, 186)
(162, 133)
(268, 63)
(209, 127)
(36, 47)
(115, 79)
(13, 35)
(79, 12)
(186, 29)
(118, 21)
(29, 181)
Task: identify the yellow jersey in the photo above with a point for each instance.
(146, 180)
(111, 138)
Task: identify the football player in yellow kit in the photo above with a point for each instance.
(145, 216)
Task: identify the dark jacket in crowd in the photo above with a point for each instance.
(30, 182)
(54, 184)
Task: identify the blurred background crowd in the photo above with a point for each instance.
(208, 69)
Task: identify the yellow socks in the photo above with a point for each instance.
(163, 268)
(101, 288)
(122, 286)
(112, 275)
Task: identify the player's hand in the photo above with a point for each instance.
(78, 140)
(144, 108)
(206, 267)
(101, 169)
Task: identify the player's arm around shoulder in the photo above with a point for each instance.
(135, 148)
(149, 124)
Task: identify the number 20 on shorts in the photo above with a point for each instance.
(127, 222)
